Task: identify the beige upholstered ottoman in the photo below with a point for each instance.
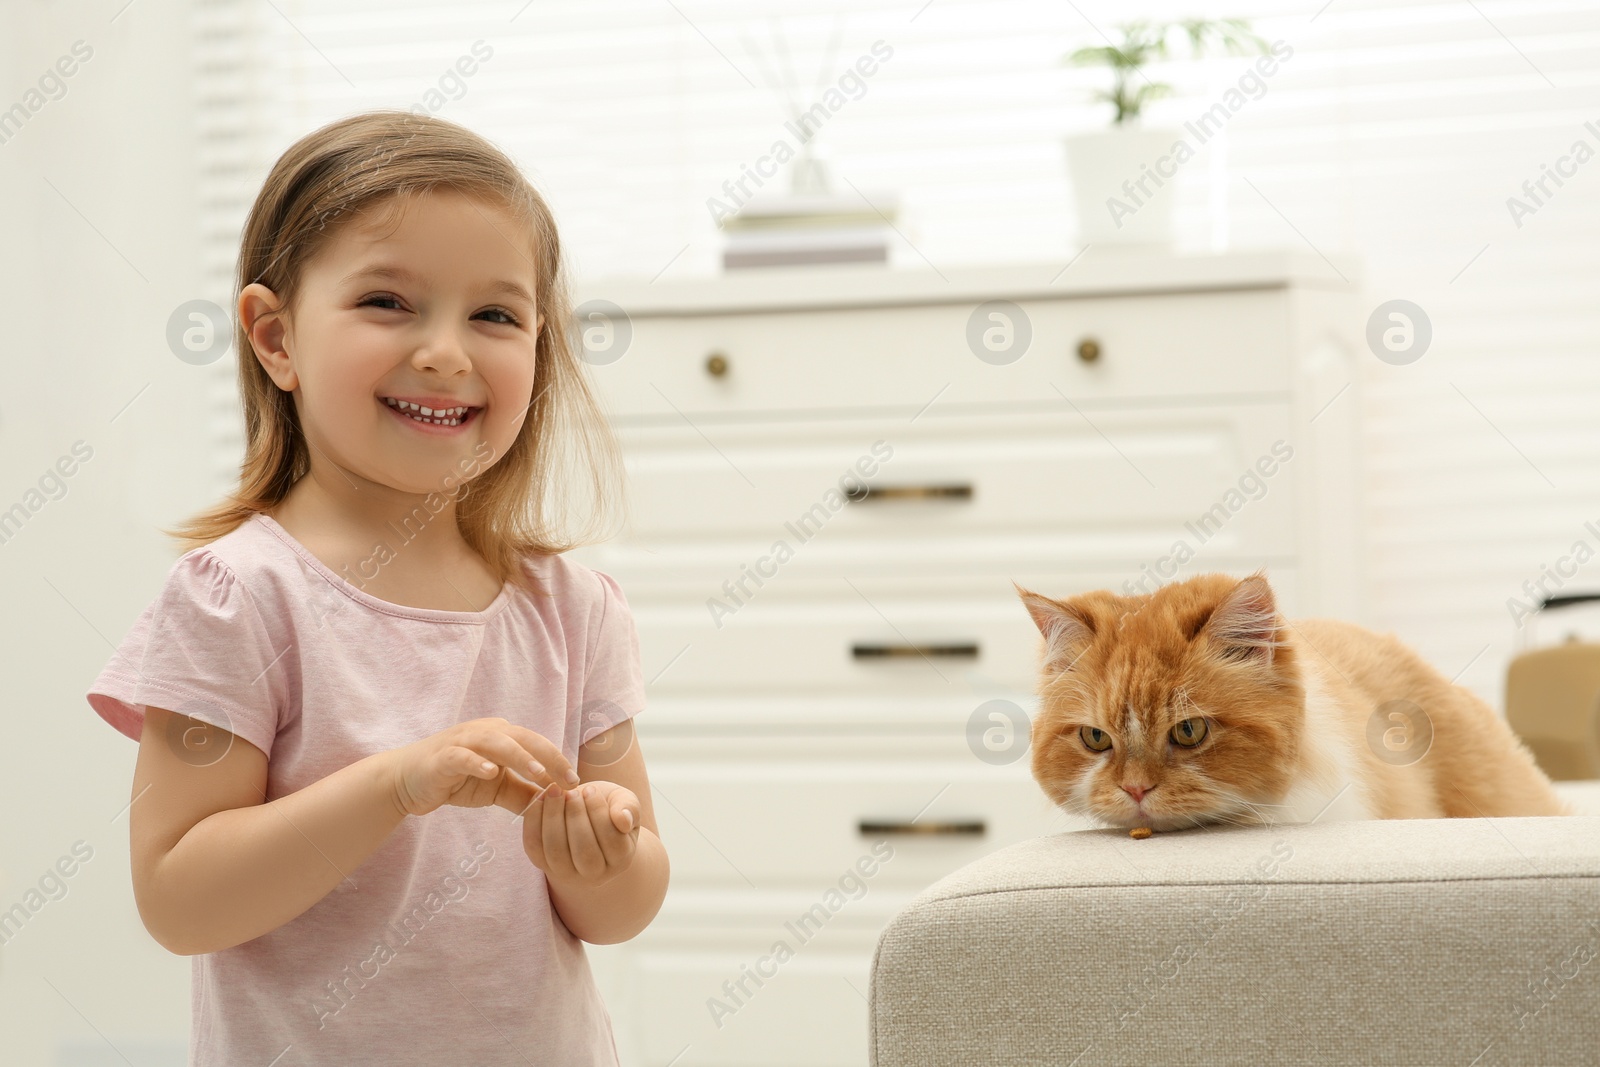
(1451, 941)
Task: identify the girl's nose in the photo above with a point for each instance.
(442, 351)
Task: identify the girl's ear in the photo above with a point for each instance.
(260, 313)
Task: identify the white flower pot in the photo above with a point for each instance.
(1121, 197)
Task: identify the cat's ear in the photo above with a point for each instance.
(1245, 626)
(1067, 629)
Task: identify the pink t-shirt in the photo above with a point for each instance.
(443, 947)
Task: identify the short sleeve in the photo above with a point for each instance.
(201, 649)
(613, 682)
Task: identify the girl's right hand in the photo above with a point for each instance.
(450, 768)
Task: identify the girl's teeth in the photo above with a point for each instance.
(442, 417)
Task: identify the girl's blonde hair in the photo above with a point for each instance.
(388, 158)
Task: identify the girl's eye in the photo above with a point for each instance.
(383, 298)
(375, 299)
(1189, 732)
(510, 319)
(1094, 739)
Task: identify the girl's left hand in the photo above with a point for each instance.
(582, 836)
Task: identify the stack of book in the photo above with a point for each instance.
(796, 229)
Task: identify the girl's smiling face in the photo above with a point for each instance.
(436, 307)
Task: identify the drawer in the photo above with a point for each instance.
(1092, 483)
(1149, 346)
(815, 640)
(776, 1026)
(884, 637)
(770, 824)
(674, 992)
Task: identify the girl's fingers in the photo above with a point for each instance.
(515, 795)
(624, 808)
(459, 760)
(582, 813)
(553, 827)
(500, 752)
(508, 752)
(541, 749)
(533, 833)
(579, 833)
(616, 812)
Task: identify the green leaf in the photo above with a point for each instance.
(1143, 41)
(1088, 57)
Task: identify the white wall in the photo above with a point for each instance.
(100, 244)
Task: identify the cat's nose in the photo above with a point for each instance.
(1137, 792)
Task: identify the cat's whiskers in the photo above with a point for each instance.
(1234, 798)
(1225, 817)
(1229, 814)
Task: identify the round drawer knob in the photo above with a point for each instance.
(717, 365)
(1089, 350)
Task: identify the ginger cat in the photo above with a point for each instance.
(1199, 704)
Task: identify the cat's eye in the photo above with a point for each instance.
(1189, 732)
(1094, 739)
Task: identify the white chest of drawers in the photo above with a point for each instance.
(820, 734)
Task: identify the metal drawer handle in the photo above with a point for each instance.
(861, 494)
(967, 650)
(1567, 600)
(958, 828)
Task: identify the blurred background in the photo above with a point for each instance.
(1439, 154)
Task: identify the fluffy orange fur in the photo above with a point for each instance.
(1284, 711)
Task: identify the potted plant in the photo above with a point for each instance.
(1118, 200)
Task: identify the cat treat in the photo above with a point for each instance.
(1139, 833)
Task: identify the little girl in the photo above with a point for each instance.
(377, 633)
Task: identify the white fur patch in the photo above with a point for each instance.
(1328, 785)
(1082, 791)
